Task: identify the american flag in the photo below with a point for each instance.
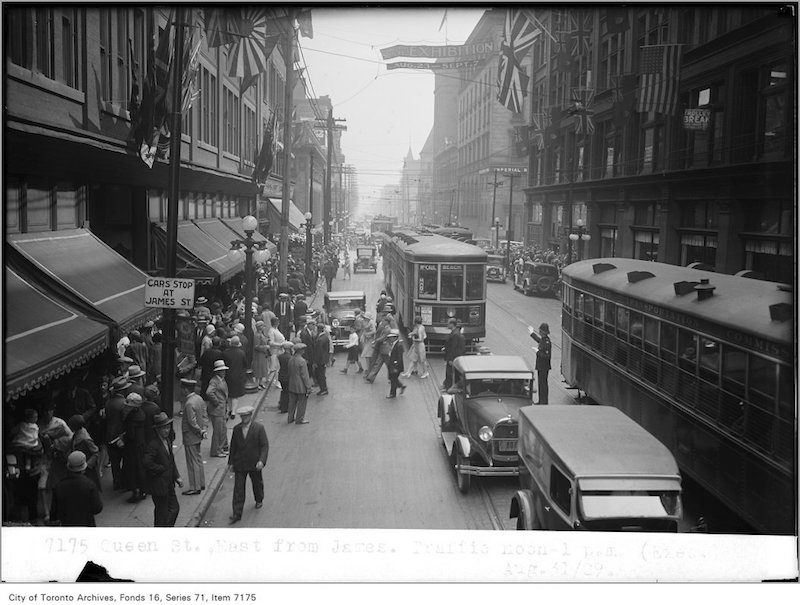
(659, 75)
(512, 81)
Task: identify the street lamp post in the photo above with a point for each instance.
(497, 233)
(307, 216)
(251, 247)
(580, 235)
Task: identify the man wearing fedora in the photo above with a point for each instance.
(112, 412)
(193, 428)
(136, 376)
(394, 365)
(133, 420)
(283, 375)
(299, 385)
(162, 474)
(542, 359)
(76, 499)
(216, 406)
(284, 311)
(248, 456)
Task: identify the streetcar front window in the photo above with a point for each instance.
(452, 282)
(475, 282)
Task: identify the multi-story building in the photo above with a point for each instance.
(85, 216)
(708, 179)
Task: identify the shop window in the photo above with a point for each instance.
(38, 206)
(67, 206)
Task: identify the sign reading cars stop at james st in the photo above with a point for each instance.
(169, 293)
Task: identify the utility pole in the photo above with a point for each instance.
(311, 183)
(330, 124)
(494, 205)
(171, 262)
(510, 231)
(288, 93)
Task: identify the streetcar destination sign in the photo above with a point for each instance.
(169, 293)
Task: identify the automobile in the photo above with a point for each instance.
(481, 242)
(366, 259)
(591, 467)
(479, 415)
(542, 279)
(339, 311)
(496, 268)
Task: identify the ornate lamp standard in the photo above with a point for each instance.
(309, 239)
(497, 233)
(259, 249)
(579, 234)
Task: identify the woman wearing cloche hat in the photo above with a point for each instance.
(76, 499)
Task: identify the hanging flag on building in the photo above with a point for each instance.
(266, 156)
(304, 23)
(222, 26)
(659, 75)
(581, 108)
(249, 54)
(512, 81)
(541, 124)
(538, 24)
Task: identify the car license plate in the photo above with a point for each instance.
(507, 445)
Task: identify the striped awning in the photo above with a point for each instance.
(85, 266)
(45, 336)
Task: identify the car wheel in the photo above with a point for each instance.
(462, 479)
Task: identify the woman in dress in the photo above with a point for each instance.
(275, 338)
(261, 355)
(416, 353)
(368, 340)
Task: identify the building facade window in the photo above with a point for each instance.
(645, 244)
(45, 42)
(230, 141)
(207, 107)
(608, 241)
(776, 105)
(70, 51)
(20, 45)
(698, 248)
(249, 125)
(122, 73)
(106, 59)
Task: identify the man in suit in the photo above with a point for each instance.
(453, 347)
(299, 385)
(162, 474)
(284, 311)
(249, 450)
(307, 336)
(283, 376)
(394, 365)
(76, 499)
(120, 387)
(300, 309)
(320, 356)
(543, 354)
(216, 405)
(193, 428)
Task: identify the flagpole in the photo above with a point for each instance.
(168, 344)
(288, 94)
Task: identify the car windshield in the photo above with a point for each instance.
(344, 306)
(515, 387)
(366, 252)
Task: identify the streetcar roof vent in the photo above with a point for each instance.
(704, 290)
(684, 287)
(637, 276)
(780, 311)
(600, 267)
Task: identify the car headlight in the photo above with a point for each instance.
(485, 433)
(335, 323)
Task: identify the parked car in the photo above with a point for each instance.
(496, 268)
(479, 415)
(366, 259)
(591, 467)
(339, 312)
(537, 278)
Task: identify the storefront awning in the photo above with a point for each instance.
(235, 224)
(44, 335)
(84, 265)
(296, 219)
(207, 260)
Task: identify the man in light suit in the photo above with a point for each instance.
(162, 473)
(217, 403)
(249, 450)
(320, 356)
(299, 385)
(193, 428)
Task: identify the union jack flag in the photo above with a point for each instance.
(512, 81)
(541, 122)
(582, 100)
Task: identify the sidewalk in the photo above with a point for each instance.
(119, 513)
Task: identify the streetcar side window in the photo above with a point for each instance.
(452, 282)
(637, 328)
(428, 276)
(762, 382)
(669, 337)
(651, 335)
(734, 370)
(476, 280)
(709, 360)
(611, 313)
(687, 345)
(623, 316)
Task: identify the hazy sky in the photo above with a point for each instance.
(386, 111)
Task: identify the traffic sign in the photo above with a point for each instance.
(169, 293)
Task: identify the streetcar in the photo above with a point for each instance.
(436, 278)
(461, 234)
(705, 362)
(382, 224)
